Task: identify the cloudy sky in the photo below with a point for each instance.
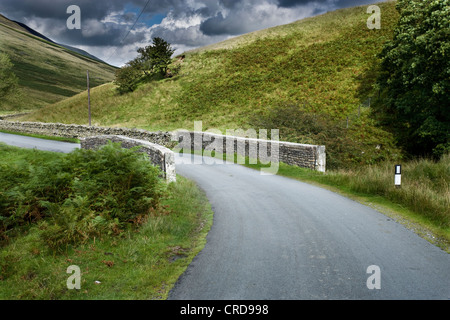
(111, 30)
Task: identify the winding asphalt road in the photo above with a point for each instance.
(274, 238)
(35, 143)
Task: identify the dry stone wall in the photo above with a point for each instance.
(83, 131)
(302, 155)
(159, 155)
(305, 156)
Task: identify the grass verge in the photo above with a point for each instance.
(140, 264)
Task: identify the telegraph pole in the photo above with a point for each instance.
(89, 98)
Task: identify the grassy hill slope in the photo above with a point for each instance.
(324, 64)
(47, 72)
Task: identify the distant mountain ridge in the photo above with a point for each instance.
(48, 72)
(40, 35)
(32, 31)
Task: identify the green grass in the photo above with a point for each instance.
(47, 73)
(11, 154)
(140, 264)
(323, 66)
(11, 112)
(325, 61)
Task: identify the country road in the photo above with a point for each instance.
(274, 238)
(279, 239)
(35, 143)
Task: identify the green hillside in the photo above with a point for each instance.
(47, 72)
(324, 65)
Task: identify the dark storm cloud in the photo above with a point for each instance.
(56, 9)
(187, 23)
(338, 4)
(240, 16)
(294, 3)
(218, 25)
(98, 9)
(50, 17)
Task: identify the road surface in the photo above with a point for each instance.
(35, 143)
(274, 238)
(279, 239)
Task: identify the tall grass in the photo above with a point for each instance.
(425, 188)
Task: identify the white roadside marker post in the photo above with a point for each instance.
(398, 176)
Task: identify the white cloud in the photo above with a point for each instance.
(184, 21)
(93, 28)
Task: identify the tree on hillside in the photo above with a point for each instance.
(8, 80)
(155, 58)
(127, 78)
(152, 60)
(415, 77)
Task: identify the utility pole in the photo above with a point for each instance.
(89, 98)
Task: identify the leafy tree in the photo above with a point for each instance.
(415, 77)
(127, 78)
(155, 58)
(152, 60)
(8, 80)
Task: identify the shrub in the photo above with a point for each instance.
(345, 147)
(127, 78)
(83, 194)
